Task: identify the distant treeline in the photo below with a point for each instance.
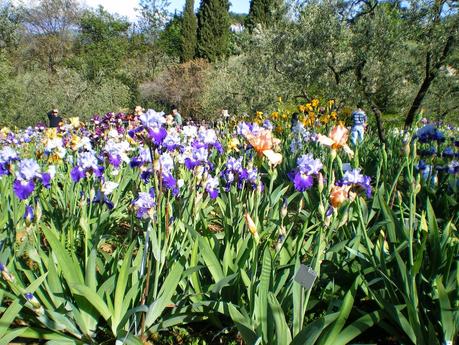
(391, 57)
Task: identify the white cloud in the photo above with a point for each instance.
(124, 8)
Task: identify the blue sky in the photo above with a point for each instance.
(127, 7)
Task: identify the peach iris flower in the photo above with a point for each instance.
(263, 143)
(338, 195)
(337, 139)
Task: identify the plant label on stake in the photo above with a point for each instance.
(305, 276)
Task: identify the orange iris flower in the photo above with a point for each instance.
(337, 139)
(263, 144)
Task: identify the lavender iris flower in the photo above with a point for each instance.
(167, 163)
(8, 154)
(453, 167)
(172, 142)
(87, 163)
(28, 169)
(268, 125)
(355, 178)
(303, 176)
(308, 165)
(234, 164)
(144, 204)
(152, 119)
(212, 187)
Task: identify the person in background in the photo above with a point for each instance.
(225, 115)
(294, 121)
(359, 123)
(54, 118)
(177, 117)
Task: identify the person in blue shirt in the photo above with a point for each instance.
(54, 118)
(359, 120)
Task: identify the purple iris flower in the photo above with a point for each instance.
(100, 198)
(199, 157)
(421, 165)
(28, 214)
(115, 160)
(134, 131)
(170, 183)
(157, 134)
(429, 133)
(252, 176)
(7, 156)
(145, 175)
(302, 182)
(141, 159)
(23, 189)
(242, 128)
(135, 162)
(448, 152)
(207, 136)
(87, 160)
(28, 171)
(115, 151)
(46, 180)
(201, 154)
(4, 169)
(77, 174)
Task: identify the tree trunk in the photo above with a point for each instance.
(379, 125)
(431, 73)
(418, 101)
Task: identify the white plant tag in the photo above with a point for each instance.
(305, 276)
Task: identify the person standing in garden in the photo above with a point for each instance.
(177, 117)
(54, 118)
(359, 120)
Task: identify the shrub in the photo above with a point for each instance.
(182, 85)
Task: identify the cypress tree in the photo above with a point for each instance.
(264, 12)
(213, 29)
(189, 32)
